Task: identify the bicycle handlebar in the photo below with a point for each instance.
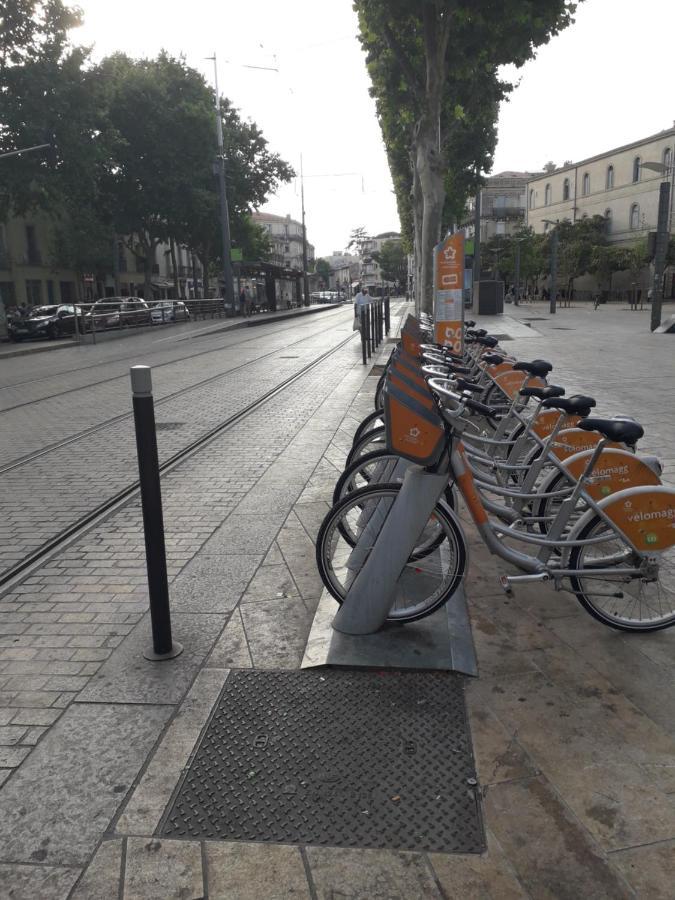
(461, 402)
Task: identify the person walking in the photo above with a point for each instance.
(361, 301)
(248, 303)
(242, 302)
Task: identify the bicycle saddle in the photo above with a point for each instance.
(469, 323)
(619, 430)
(494, 359)
(552, 390)
(464, 385)
(578, 405)
(538, 367)
(487, 341)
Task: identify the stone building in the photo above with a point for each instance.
(285, 235)
(502, 206)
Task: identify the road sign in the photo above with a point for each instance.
(448, 292)
(88, 279)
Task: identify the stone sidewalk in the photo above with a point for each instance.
(573, 725)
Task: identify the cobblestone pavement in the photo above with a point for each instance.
(573, 724)
(47, 494)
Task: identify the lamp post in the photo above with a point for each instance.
(517, 272)
(554, 265)
(305, 278)
(228, 287)
(663, 226)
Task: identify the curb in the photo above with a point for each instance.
(28, 351)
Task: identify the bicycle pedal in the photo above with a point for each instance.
(506, 585)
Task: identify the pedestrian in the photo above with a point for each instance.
(242, 302)
(361, 300)
(247, 302)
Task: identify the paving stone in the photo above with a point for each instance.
(242, 534)
(487, 876)
(213, 584)
(372, 874)
(499, 756)
(148, 801)
(84, 767)
(11, 734)
(649, 870)
(127, 677)
(35, 716)
(12, 756)
(101, 879)
(163, 870)
(231, 650)
(254, 871)
(271, 583)
(551, 853)
(276, 632)
(33, 882)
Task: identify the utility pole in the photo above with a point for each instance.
(224, 212)
(476, 243)
(554, 271)
(517, 273)
(662, 235)
(305, 279)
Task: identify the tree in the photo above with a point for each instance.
(323, 270)
(393, 262)
(425, 57)
(606, 260)
(576, 242)
(359, 240)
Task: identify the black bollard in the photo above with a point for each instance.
(386, 314)
(362, 324)
(153, 522)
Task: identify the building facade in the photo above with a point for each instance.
(285, 235)
(370, 274)
(617, 184)
(30, 275)
(502, 206)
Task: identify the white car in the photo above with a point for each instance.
(169, 311)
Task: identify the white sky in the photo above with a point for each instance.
(604, 82)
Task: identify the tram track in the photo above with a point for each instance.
(44, 550)
(147, 353)
(28, 458)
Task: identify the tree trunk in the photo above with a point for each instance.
(176, 285)
(430, 172)
(418, 212)
(204, 260)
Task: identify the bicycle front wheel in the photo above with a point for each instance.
(625, 600)
(428, 578)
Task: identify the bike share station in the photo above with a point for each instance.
(357, 633)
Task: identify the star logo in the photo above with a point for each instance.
(449, 253)
(414, 432)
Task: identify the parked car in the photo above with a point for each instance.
(45, 322)
(118, 312)
(169, 311)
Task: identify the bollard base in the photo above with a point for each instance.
(175, 650)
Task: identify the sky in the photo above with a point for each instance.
(600, 84)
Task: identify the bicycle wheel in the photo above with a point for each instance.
(627, 602)
(372, 440)
(547, 508)
(372, 420)
(379, 399)
(374, 468)
(427, 579)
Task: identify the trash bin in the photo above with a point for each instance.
(490, 298)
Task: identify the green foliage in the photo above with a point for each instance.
(576, 244)
(135, 146)
(500, 253)
(434, 72)
(358, 241)
(323, 270)
(393, 261)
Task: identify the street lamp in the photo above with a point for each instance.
(554, 264)
(663, 226)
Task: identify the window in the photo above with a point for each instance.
(608, 221)
(634, 221)
(609, 182)
(636, 169)
(586, 185)
(566, 189)
(33, 292)
(667, 157)
(547, 195)
(531, 198)
(32, 251)
(67, 291)
(121, 257)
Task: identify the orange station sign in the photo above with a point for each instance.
(449, 292)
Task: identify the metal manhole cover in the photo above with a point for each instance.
(168, 426)
(335, 757)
